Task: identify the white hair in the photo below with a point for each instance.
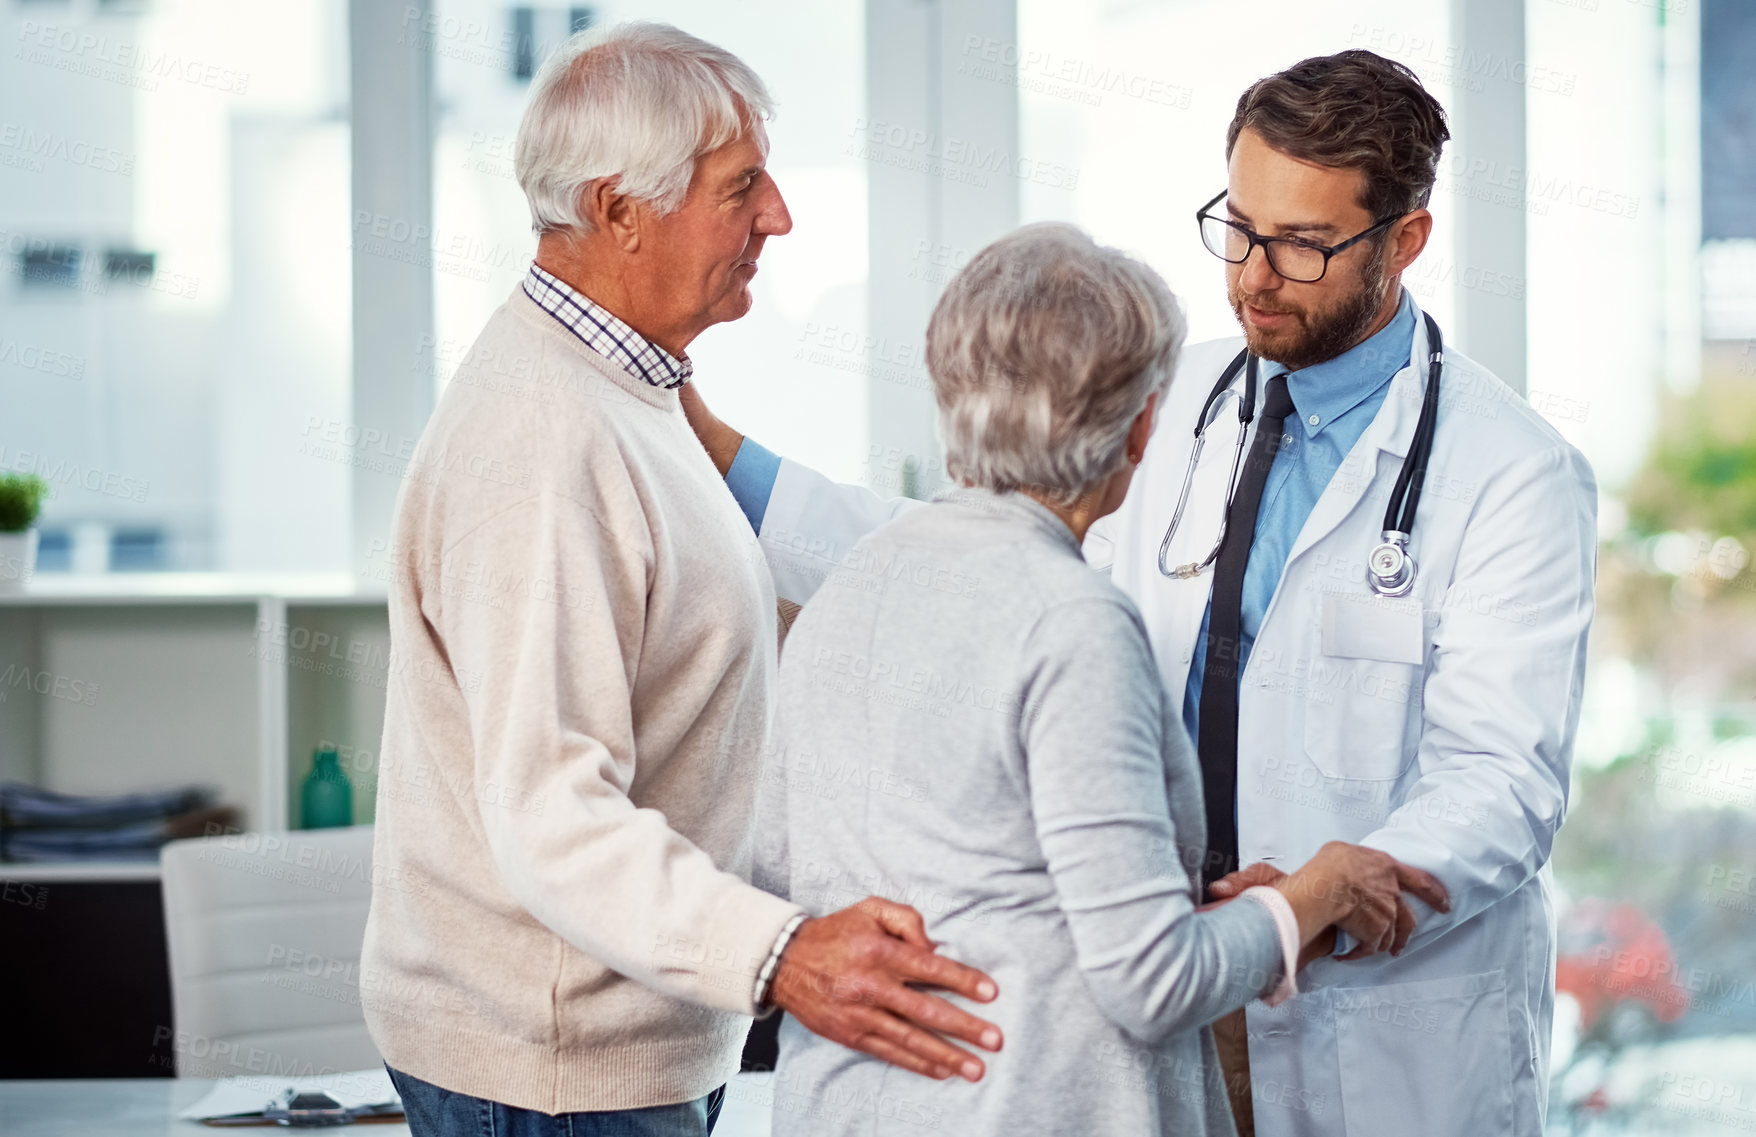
(1043, 351)
(637, 103)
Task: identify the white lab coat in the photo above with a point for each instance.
(1437, 728)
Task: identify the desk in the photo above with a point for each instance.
(118, 1107)
(147, 1107)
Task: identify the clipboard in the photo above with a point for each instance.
(320, 1102)
(312, 1111)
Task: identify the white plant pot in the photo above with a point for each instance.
(18, 559)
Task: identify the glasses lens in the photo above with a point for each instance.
(1295, 261)
(1224, 241)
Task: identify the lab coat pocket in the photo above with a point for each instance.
(1432, 1057)
(1365, 687)
(1364, 626)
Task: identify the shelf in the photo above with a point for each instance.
(69, 872)
(153, 588)
(130, 681)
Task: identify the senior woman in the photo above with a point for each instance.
(970, 720)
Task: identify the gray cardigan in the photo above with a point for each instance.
(970, 722)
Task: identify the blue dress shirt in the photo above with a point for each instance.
(751, 480)
(1335, 401)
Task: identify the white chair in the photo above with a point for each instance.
(264, 932)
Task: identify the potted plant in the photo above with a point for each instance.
(21, 497)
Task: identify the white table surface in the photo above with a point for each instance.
(134, 1107)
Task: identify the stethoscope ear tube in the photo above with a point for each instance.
(1390, 570)
(1399, 515)
(1246, 412)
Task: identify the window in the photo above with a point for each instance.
(50, 266)
(130, 265)
(754, 370)
(174, 208)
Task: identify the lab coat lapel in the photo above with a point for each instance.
(1375, 458)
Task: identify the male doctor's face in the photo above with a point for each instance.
(1277, 195)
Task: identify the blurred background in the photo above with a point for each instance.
(243, 245)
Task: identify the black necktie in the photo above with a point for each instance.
(1218, 719)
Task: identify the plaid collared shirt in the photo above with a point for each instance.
(604, 333)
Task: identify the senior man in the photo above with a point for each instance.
(572, 796)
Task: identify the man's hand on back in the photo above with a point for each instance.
(847, 976)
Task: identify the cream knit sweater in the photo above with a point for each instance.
(582, 655)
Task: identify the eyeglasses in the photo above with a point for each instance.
(1296, 260)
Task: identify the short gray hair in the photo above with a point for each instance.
(1043, 351)
(638, 103)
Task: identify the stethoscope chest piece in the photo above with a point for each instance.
(1389, 569)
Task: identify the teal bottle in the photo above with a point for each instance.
(327, 799)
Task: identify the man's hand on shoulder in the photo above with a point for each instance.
(851, 977)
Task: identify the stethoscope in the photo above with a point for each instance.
(1390, 569)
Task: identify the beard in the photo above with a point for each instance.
(1320, 335)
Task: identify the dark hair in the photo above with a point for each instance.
(1354, 110)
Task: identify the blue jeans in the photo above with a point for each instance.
(436, 1112)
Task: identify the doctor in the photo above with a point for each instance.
(1429, 712)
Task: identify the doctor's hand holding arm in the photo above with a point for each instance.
(1337, 869)
(1500, 701)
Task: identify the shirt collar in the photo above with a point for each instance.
(600, 330)
(1331, 389)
